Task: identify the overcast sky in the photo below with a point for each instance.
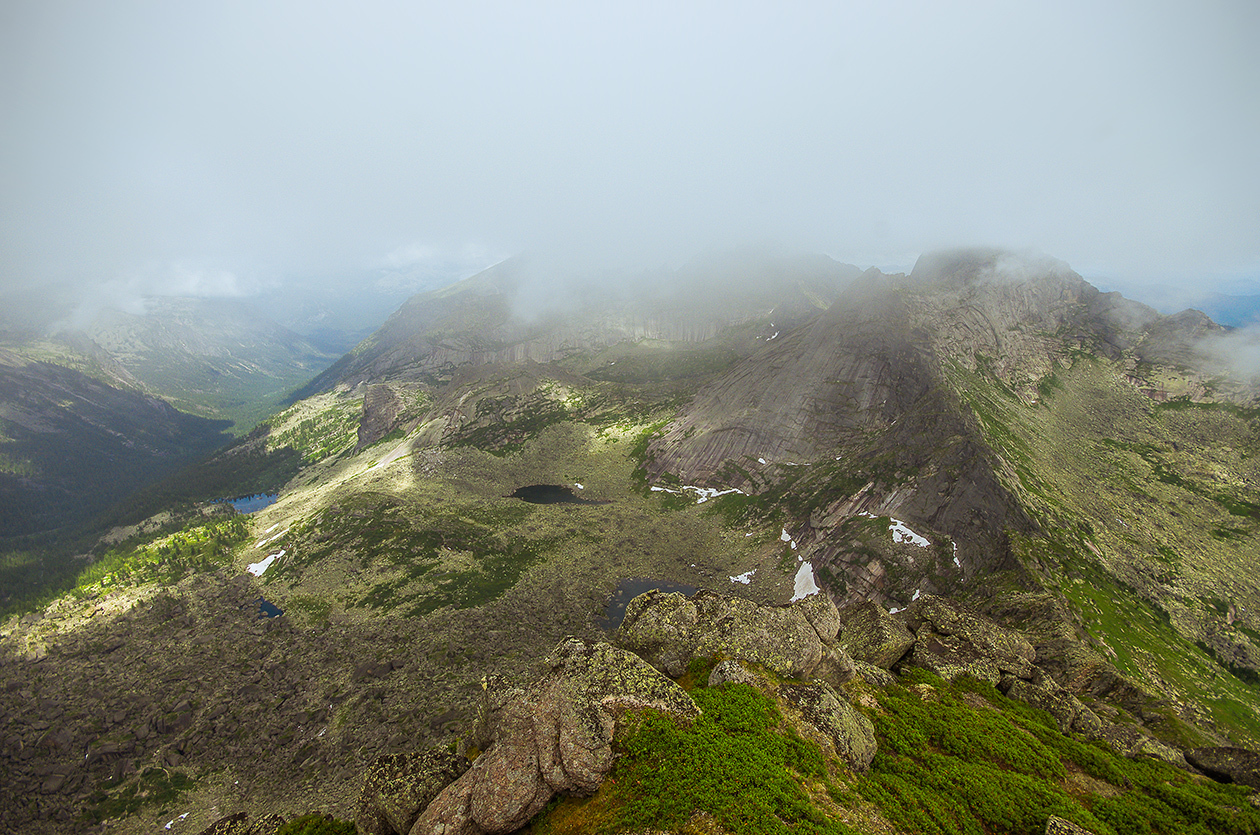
(220, 146)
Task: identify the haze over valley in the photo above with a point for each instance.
(677, 418)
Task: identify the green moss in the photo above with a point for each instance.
(152, 787)
(949, 765)
(317, 825)
(736, 763)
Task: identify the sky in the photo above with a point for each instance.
(227, 147)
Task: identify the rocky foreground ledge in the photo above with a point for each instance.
(558, 735)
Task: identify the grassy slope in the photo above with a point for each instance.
(1150, 526)
(953, 759)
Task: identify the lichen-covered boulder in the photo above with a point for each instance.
(660, 628)
(1043, 692)
(237, 824)
(1133, 742)
(870, 634)
(668, 630)
(779, 638)
(835, 667)
(873, 675)
(1227, 765)
(727, 672)
(267, 825)
(950, 640)
(398, 787)
(842, 727)
(1056, 825)
(555, 736)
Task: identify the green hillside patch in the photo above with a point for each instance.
(739, 765)
(421, 558)
(961, 758)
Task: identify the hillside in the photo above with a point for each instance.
(989, 428)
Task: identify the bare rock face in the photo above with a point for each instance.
(1227, 765)
(553, 737)
(950, 640)
(668, 630)
(398, 787)
(381, 408)
(848, 732)
(872, 635)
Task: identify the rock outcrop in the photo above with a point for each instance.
(871, 635)
(555, 736)
(240, 824)
(952, 640)
(381, 407)
(398, 787)
(1228, 765)
(841, 726)
(668, 630)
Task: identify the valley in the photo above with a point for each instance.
(985, 429)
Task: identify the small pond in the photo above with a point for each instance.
(551, 494)
(631, 588)
(267, 609)
(256, 502)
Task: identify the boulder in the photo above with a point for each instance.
(871, 635)
(780, 638)
(1132, 742)
(554, 736)
(237, 824)
(844, 729)
(1227, 765)
(1043, 692)
(660, 628)
(835, 667)
(951, 640)
(267, 825)
(1056, 825)
(398, 787)
(668, 630)
(731, 671)
(872, 675)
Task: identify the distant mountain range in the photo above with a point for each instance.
(989, 428)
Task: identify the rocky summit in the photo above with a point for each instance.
(974, 549)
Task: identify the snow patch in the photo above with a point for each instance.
(916, 595)
(776, 336)
(262, 542)
(900, 532)
(894, 610)
(956, 562)
(803, 585)
(578, 486)
(761, 460)
(744, 578)
(785, 536)
(260, 568)
(703, 494)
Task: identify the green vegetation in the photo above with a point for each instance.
(317, 825)
(165, 558)
(950, 763)
(330, 431)
(432, 558)
(739, 763)
(152, 787)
